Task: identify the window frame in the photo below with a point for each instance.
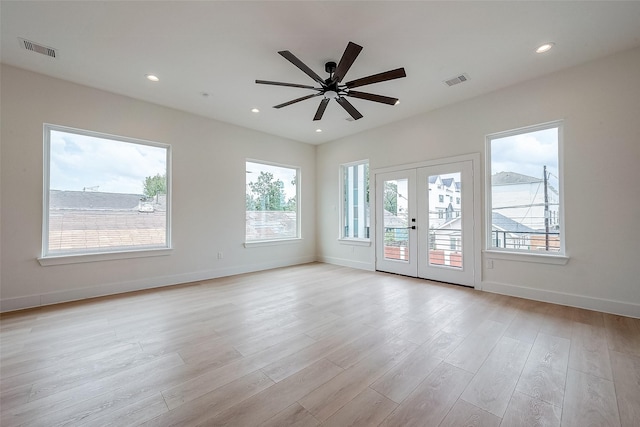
(491, 252)
(97, 254)
(283, 240)
(359, 241)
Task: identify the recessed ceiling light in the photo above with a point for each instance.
(255, 110)
(545, 47)
(318, 130)
(152, 77)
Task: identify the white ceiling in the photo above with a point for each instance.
(221, 48)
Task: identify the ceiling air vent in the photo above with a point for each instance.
(457, 80)
(38, 48)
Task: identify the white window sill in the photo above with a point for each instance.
(97, 257)
(259, 243)
(527, 257)
(355, 242)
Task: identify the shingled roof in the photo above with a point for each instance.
(506, 178)
(509, 225)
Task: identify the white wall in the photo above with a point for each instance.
(600, 105)
(208, 192)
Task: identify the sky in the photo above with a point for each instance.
(284, 174)
(80, 162)
(527, 154)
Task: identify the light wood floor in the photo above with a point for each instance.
(318, 345)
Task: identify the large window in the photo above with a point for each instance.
(355, 201)
(103, 193)
(524, 190)
(272, 202)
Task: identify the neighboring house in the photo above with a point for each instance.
(521, 198)
(98, 201)
(445, 240)
(445, 243)
(93, 200)
(444, 200)
(270, 225)
(509, 234)
(396, 236)
(395, 228)
(89, 219)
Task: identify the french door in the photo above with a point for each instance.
(425, 222)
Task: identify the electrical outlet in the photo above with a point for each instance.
(220, 255)
(489, 264)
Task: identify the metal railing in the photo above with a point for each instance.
(526, 240)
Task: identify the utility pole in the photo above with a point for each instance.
(546, 209)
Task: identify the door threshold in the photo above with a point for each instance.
(429, 280)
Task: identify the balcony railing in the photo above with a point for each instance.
(526, 240)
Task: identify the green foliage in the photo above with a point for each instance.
(268, 194)
(154, 185)
(391, 197)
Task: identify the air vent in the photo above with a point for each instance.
(38, 48)
(457, 80)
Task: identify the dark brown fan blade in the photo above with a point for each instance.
(266, 82)
(296, 100)
(350, 108)
(295, 61)
(348, 57)
(376, 78)
(321, 108)
(373, 97)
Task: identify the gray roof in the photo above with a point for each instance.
(507, 224)
(447, 181)
(394, 221)
(92, 200)
(506, 178)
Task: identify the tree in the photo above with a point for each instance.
(267, 194)
(154, 185)
(292, 203)
(391, 197)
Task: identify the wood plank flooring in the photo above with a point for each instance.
(315, 345)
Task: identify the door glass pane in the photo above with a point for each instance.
(396, 219)
(445, 220)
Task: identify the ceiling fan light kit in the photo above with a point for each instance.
(333, 88)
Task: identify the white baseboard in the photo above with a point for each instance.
(31, 301)
(347, 263)
(573, 300)
(580, 301)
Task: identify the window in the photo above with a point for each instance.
(272, 208)
(103, 193)
(454, 243)
(441, 198)
(524, 197)
(355, 201)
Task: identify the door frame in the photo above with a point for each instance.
(476, 207)
(407, 267)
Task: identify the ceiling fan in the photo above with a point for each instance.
(333, 86)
